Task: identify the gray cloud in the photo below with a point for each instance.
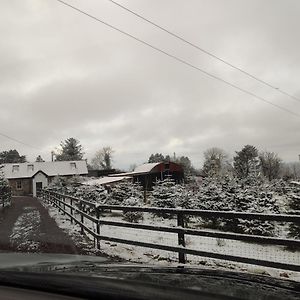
(64, 75)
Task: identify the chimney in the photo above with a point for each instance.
(52, 155)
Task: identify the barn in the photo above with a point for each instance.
(26, 178)
(147, 174)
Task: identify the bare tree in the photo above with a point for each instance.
(103, 159)
(216, 162)
(270, 164)
(290, 170)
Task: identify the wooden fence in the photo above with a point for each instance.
(72, 206)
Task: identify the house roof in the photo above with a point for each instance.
(55, 168)
(104, 180)
(142, 169)
(145, 168)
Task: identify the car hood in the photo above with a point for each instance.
(101, 270)
(34, 260)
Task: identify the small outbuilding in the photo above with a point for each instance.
(26, 178)
(148, 174)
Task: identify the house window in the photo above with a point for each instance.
(15, 168)
(19, 184)
(73, 165)
(30, 168)
(167, 167)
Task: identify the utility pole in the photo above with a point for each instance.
(52, 155)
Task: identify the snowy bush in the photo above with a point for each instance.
(241, 196)
(95, 194)
(132, 216)
(165, 194)
(294, 228)
(127, 194)
(123, 191)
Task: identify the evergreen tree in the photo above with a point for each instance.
(11, 156)
(167, 194)
(164, 194)
(294, 204)
(237, 195)
(155, 158)
(127, 194)
(71, 149)
(39, 159)
(5, 190)
(122, 191)
(246, 161)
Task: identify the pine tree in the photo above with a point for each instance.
(39, 159)
(246, 161)
(164, 194)
(71, 149)
(11, 156)
(127, 194)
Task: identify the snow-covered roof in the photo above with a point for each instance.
(55, 168)
(104, 180)
(142, 169)
(145, 168)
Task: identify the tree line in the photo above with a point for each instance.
(248, 162)
(217, 163)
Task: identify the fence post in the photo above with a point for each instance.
(64, 205)
(58, 202)
(181, 240)
(71, 209)
(82, 220)
(98, 227)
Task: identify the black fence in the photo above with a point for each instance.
(78, 210)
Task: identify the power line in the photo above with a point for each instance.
(205, 51)
(18, 141)
(179, 59)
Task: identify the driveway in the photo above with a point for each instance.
(26, 226)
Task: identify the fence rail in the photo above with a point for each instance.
(92, 211)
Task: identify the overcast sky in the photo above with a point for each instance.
(65, 75)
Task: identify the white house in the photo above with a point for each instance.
(27, 178)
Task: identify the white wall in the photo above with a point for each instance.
(39, 177)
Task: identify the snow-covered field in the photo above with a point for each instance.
(153, 256)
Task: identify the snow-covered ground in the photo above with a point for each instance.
(153, 256)
(25, 230)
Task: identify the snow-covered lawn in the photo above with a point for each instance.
(25, 230)
(154, 256)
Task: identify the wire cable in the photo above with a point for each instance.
(179, 59)
(204, 51)
(18, 141)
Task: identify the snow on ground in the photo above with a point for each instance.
(161, 257)
(23, 236)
